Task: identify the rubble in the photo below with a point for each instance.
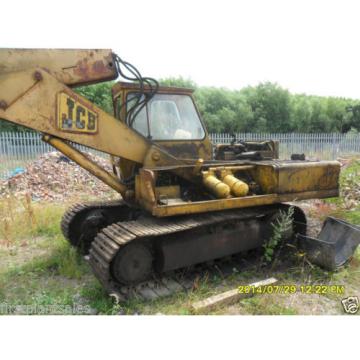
(54, 177)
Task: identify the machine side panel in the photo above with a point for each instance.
(295, 177)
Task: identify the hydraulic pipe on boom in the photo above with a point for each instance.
(72, 153)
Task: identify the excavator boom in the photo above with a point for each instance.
(35, 92)
(36, 99)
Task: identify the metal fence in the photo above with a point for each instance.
(17, 149)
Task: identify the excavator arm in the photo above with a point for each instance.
(35, 92)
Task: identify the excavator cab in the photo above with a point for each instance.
(170, 119)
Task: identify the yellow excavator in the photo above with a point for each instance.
(181, 201)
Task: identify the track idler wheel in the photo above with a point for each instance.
(133, 264)
(82, 222)
(92, 224)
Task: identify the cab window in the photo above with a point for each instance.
(171, 117)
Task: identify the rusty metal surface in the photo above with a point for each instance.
(70, 66)
(127, 87)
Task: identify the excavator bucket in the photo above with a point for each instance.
(335, 245)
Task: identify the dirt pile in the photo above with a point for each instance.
(54, 177)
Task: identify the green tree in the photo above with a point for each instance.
(300, 112)
(271, 107)
(266, 107)
(99, 94)
(178, 82)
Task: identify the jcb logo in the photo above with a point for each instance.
(75, 116)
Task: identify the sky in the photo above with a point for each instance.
(305, 46)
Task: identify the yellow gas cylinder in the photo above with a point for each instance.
(238, 188)
(217, 187)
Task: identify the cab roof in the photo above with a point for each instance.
(121, 85)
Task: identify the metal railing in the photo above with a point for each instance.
(19, 148)
(322, 146)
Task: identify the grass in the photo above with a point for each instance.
(348, 175)
(38, 268)
(266, 305)
(23, 219)
(60, 277)
(349, 178)
(42, 269)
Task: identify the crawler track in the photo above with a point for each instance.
(112, 239)
(182, 280)
(123, 226)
